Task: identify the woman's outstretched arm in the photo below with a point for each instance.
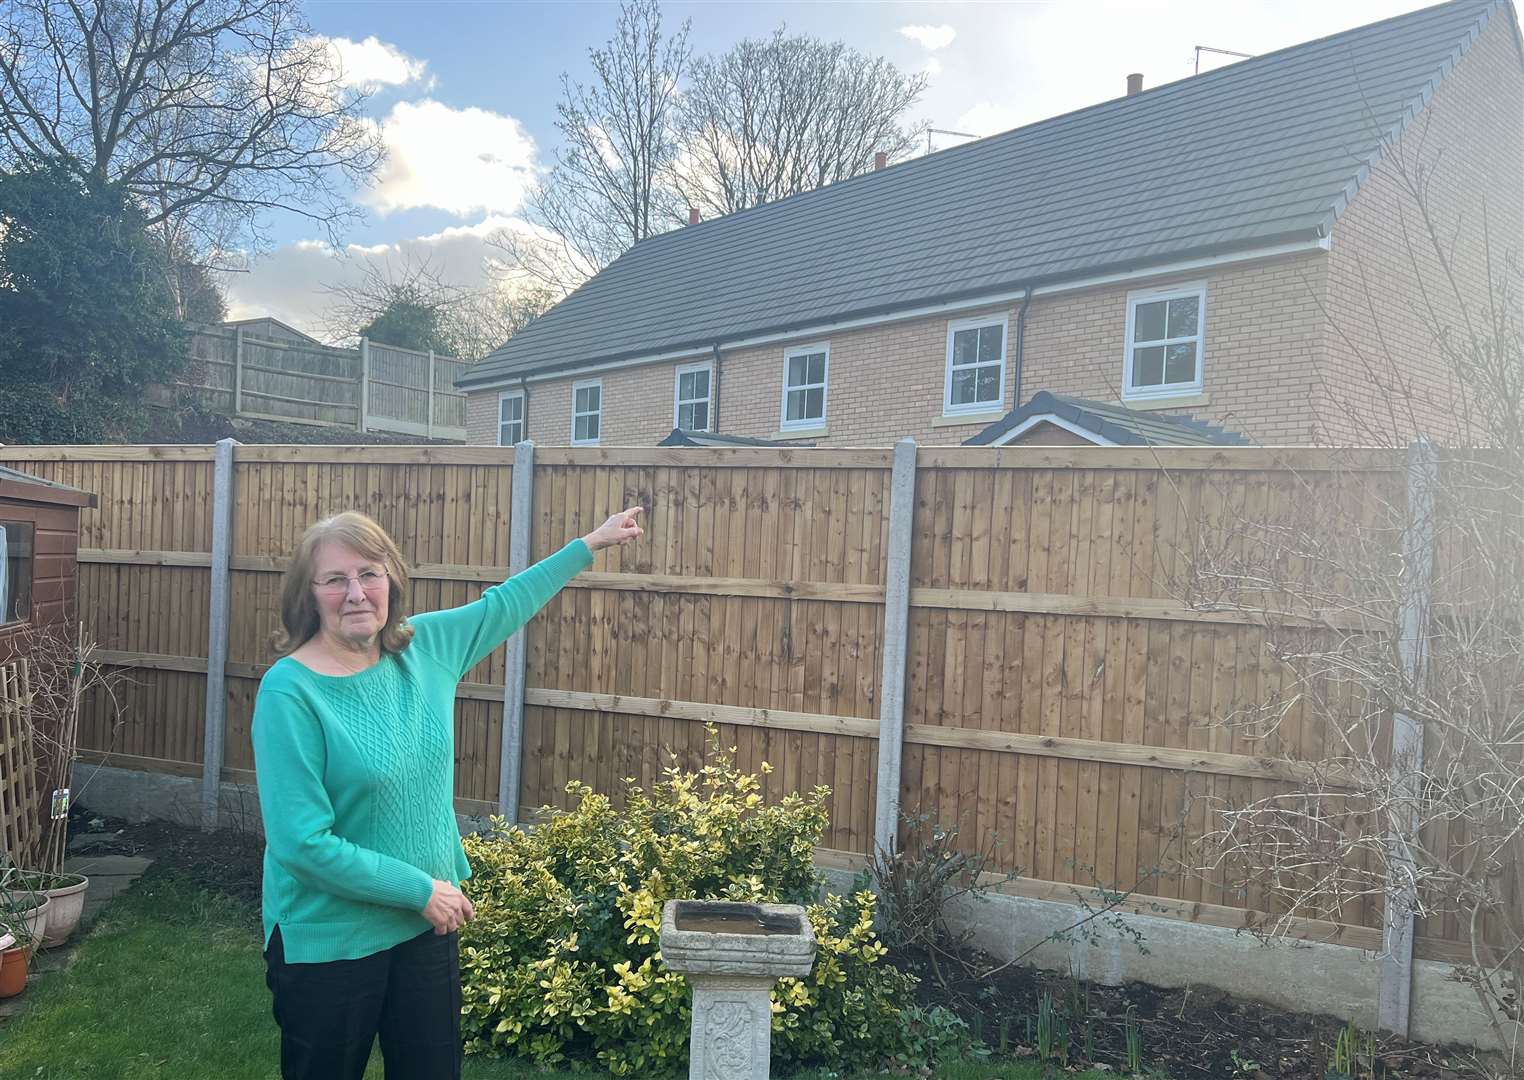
(462, 636)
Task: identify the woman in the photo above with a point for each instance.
(354, 754)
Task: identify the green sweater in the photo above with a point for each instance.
(356, 775)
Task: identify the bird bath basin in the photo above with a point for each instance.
(732, 953)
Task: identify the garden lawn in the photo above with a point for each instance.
(170, 983)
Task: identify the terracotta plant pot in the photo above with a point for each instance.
(13, 964)
(66, 902)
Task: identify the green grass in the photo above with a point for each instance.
(170, 983)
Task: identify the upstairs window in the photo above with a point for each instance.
(510, 418)
(975, 366)
(805, 371)
(1164, 337)
(690, 408)
(587, 413)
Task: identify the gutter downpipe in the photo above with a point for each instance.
(524, 389)
(714, 410)
(1021, 338)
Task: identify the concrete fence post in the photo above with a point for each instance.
(1395, 985)
(217, 635)
(891, 700)
(511, 762)
(237, 370)
(431, 394)
(362, 415)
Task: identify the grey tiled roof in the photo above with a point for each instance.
(1113, 423)
(1265, 151)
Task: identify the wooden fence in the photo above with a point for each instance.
(373, 388)
(1002, 626)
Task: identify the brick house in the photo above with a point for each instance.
(1237, 254)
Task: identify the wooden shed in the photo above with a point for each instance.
(39, 550)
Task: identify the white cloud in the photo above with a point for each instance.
(372, 63)
(988, 118)
(462, 161)
(291, 283)
(930, 37)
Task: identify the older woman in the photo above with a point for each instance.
(354, 754)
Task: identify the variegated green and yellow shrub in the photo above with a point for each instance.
(562, 965)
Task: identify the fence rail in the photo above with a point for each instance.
(373, 388)
(1057, 691)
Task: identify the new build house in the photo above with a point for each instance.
(1246, 255)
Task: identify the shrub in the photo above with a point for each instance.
(561, 963)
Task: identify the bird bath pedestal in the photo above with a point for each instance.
(732, 953)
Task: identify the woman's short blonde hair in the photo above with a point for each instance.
(298, 608)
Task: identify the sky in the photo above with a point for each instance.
(464, 95)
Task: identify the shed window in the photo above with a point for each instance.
(15, 571)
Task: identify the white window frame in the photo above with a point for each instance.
(953, 326)
(678, 400)
(1198, 289)
(812, 424)
(523, 420)
(583, 384)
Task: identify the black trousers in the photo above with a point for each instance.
(331, 1013)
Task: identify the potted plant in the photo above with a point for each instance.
(55, 675)
(65, 894)
(23, 921)
(13, 965)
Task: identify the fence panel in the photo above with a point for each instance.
(308, 383)
(754, 601)
(1065, 686)
(291, 381)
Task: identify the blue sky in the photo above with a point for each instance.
(464, 93)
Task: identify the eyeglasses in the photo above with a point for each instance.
(338, 584)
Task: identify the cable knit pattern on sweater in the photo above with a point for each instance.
(356, 776)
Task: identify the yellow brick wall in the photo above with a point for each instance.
(1385, 377)
(888, 381)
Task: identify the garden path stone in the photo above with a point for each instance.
(86, 841)
(110, 875)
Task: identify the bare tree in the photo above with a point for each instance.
(1392, 604)
(773, 117)
(408, 296)
(610, 186)
(489, 316)
(410, 303)
(208, 112)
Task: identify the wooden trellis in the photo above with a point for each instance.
(18, 773)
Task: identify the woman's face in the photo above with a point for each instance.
(351, 593)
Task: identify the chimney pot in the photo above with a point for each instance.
(880, 160)
(1134, 84)
(693, 215)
